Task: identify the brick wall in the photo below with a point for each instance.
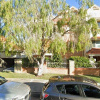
(58, 70)
(48, 70)
(87, 71)
(78, 71)
(68, 55)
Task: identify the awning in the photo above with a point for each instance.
(94, 51)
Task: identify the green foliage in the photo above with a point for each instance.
(94, 25)
(57, 57)
(79, 27)
(56, 61)
(98, 63)
(86, 3)
(26, 63)
(58, 45)
(81, 61)
(29, 25)
(1, 46)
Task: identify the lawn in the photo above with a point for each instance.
(32, 76)
(26, 75)
(96, 78)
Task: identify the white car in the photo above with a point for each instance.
(10, 90)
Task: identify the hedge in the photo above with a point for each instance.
(81, 61)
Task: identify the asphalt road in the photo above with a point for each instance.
(35, 96)
(35, 85)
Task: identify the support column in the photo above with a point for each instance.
(45, 67)
(17, 65)
(71, 67)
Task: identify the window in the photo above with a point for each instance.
(69, 89)
(61, 89)
(99, 24)
(96, 44)
(91, 91)
(93, 43)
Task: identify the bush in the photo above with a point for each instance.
(27, 63)
(56, 61)
(81, 61)
(98, 63)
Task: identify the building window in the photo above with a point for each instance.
(96, 44)
(99, 24)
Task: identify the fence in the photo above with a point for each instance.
(57, 64)
(71, 70)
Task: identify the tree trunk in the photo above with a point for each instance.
(40, 69)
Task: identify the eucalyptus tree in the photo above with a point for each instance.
(81, 25)
(6, 13)
(29, 25)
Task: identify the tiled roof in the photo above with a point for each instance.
(97, 38)
(94, 51)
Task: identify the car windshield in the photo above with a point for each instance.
(2, 80)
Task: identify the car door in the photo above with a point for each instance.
(91, 92)
(70, 92)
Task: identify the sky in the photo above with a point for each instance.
(75, 3)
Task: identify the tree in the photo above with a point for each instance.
(29, 25)
(6, 14)
(80, 26)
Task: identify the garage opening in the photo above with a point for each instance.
(9, 62)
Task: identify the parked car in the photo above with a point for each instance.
(70, 88)
(10, 90)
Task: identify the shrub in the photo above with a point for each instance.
(56, 61)
(81, 61)
(27, 63)
(98, 63)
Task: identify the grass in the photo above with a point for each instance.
(32, 76)
(26, 75)
(96, 78)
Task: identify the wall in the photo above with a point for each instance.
(68, 55)
(67, 71)
(78, 71)
(48, 70)
(87, 71)
(28, 70)
(58, 70)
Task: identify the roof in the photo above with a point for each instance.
(72, 78)
(95, 7)
(94, 51)
(96, 38)
(74, 8)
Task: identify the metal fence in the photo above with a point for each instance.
(57, 64)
